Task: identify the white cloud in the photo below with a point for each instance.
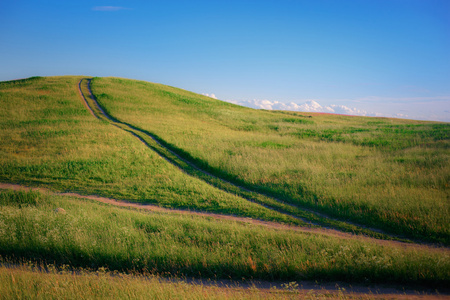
(308, 106)
(345, 110)
(417, 108)
(108, 8)
(401, 116)
(210, 95)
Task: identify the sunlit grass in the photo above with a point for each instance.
(91, 235)
(25, 282)
(387, 173)
(48, 138)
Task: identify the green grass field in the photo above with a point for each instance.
(48, 138)
(24, 282)
(383, 173)
(386, 173)
(96, 235)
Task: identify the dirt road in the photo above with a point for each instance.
(191, 169)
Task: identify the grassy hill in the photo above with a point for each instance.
(387, 174)
(48, 138)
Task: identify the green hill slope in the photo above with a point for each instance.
(390, 174)
(93, 235)
(49, 138)
(387, 173)
(383, 173)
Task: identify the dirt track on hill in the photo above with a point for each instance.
(305, 288)
(155, 208)
(99, 113)
(329, 290)
(130, 129)
(273, 225)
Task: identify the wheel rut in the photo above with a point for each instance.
(305, 217)
(219, 217)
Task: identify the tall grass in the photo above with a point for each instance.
(91, 235)
(387, 173)
(48, 138)
(25, 282)
(184, 165)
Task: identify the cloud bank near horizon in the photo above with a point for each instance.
(210, 95)
(431, 108)
(307, 106)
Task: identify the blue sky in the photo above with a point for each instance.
(378, 57)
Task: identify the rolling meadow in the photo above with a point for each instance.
(375, 177)
(49, 139)
(390, 174)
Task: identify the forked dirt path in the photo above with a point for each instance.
(101, 114)
(268, 224)
(155, 208)
(97, 111)
(304, 289)
(308, 289)
(85, 101)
